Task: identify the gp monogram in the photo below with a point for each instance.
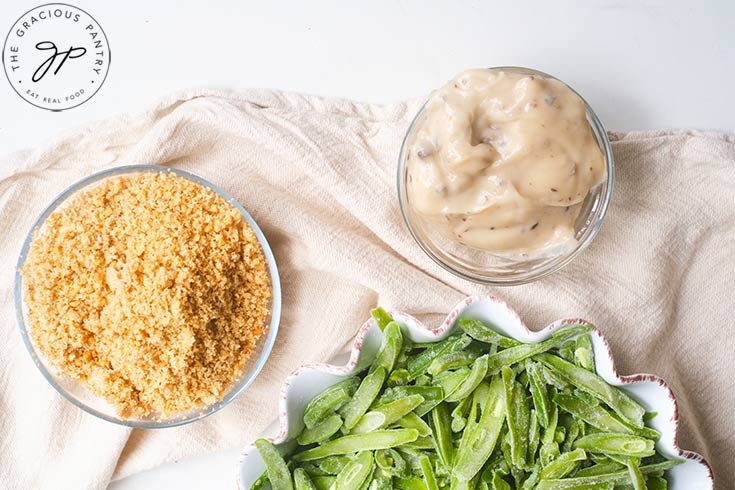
(56, 56)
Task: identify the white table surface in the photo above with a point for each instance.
(640, 64)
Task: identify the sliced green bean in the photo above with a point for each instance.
(323, 482)
(617, 478)
(260, 482)
(517, 415)
(639, 481)
(472, 381)
(598, 417)
(302, 481)
(329, 400)
(399, 377)
(391, 462)
(389, 349)
(451, 380)
(479, 331)
(583, 355)
(498, 483)
(539, 394)
(321, 431)
(442, 434)
(278, 472)
(621, 444)
(334, 464)
(413, 421)
(356, 472)
(451, 360)
(600, 469)
(428, 473)
(522, 352)
(476, 446)
(420, 363)
(363, 397)
(387, 414)
(382, 318)
(432, 395)
(534, 437)
(380, 439)
(563, 465)
(410, 483)
(621, 403)
(381, 482)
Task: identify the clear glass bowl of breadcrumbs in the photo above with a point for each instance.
(76, 392)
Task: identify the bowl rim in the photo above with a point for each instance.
(558, 262)
(356, 348)
(275, 306)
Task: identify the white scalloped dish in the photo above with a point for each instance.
(311, 379)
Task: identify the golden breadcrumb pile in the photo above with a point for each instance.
(150, 289)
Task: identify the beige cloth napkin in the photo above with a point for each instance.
(319, 177)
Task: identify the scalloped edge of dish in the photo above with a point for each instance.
(437, 333)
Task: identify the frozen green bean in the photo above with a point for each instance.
(278, 472)
(380, 439)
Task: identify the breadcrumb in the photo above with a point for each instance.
(150, 289)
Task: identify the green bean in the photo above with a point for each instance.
(539, 394)
(428, 473)
(302, 481)
(639, 482)
(420, 363)
(332, 465)
(432, 395)
(413, 421)
(522, 352)
(478, 331)
(278, 473)
(600, 469)
(479, 439)
(329, 400)
(472, 381)
(583, 355)
(617, 478)
(656, 483)
(391, 462)
(260, 482)
(459, 414)
(517, 415)
(381, 483)
(451, 360)
(323, 482)
(399, 377)
(389, 349)
(563, 465)
(599, 417)
(382, 318)
(442, 434)
(452, 380)
(386, 414)
(321, 431)
(411, 483)
(621, 403)
(355, 472)
(498, 483)
(576, 429)
(380, 439)
(534, 437)
(363, 397)
(566, 350)
(616, 444)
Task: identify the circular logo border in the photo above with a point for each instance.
(109, 56)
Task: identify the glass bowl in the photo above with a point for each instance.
(80, 396)
(502, 269)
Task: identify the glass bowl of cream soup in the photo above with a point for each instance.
(504, 175)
